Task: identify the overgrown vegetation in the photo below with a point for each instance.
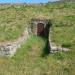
(28, 59)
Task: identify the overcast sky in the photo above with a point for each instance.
(25, 1)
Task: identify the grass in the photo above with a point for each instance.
(14, 18)
(29, 59)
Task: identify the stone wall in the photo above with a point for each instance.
(9, 48)
(54, 47)
(35, 22)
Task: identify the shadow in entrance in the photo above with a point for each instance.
(46, 49)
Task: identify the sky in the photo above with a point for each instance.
(26, 1)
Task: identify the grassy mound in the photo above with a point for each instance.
(14, 19)
(29, 60)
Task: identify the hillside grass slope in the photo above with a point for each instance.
(28, 59)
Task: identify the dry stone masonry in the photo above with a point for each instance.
(39, 26)
(9, 48)
(54, 47)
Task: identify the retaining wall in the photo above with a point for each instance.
(9, 48)
(54, 47)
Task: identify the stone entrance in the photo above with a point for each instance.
(39, 26)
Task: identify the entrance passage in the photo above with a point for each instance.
(40, 29)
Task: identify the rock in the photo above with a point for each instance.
(55, 48)
(10, 48)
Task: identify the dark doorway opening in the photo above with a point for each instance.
(40, 29)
